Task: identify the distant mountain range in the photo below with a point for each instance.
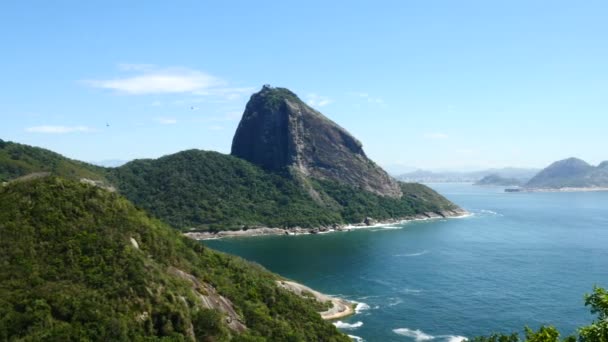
(570, 173)
(423, 176)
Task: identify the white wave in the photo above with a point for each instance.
(452, 338)
(348, 326)
(361, 307)
(412, 254)
(419, 335)
(364, 297)
(410, 291)
(490, 212)
(463, 216)
(395, 301)
(356, 338)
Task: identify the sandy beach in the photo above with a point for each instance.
(341, 308)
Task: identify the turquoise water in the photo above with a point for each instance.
(520, 259)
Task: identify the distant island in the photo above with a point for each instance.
(497, 180)
(570, 174)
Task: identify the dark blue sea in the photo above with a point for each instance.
(519, 259)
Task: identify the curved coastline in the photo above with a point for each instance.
(369, 223)
(340, 307)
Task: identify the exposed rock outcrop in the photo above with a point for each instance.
(210, 299)
(280, 132)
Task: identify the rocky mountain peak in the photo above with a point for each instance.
(278, 131)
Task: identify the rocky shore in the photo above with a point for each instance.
(367, 223)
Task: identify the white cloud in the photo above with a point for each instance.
(436, 136)
(166, 121)
(57, 129)
(315, 100)
(216, 128)
(370, 99)
(160, 81)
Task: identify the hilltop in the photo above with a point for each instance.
(83, 263)
(279, 132)
(18, 160)
(291, 167)
(570, 173)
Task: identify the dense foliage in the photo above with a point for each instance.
(18, 160)
(216, 191)
(597, 331)
(355, 205)
(209, 190)
(213, 191)
(69, 271)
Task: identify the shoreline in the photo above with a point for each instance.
(340, 307)
(368, 223)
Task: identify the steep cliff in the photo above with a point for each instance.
(280, 132)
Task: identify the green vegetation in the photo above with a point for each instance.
(597, 331)
(355, 205)
(210, 190)
(213, 191)
(70, 271)
(18, 160)
(273, 98)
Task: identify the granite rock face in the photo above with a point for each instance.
(279, 132)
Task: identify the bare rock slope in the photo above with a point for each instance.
(279, 131)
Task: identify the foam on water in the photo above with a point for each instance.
(412, 254)
(419, 335)
(410, 291)
(395, 301)
(489, 212)
(361, 307)
(348, 326)
(356, 338)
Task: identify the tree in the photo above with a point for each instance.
(598, 330)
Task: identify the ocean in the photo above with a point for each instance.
(519, 259)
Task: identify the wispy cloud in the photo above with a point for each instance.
(436, 136)
(315, 100)
(166, 121)
(57, 129)
(370, 99)
(146, 79)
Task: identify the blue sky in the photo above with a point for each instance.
(429, 84)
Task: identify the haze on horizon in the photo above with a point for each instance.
(443, 85)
